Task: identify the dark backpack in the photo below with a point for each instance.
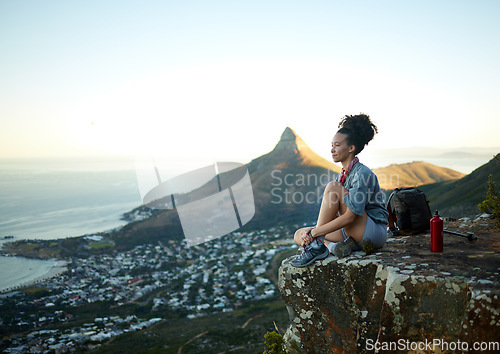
(409, 212)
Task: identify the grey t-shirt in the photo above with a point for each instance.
(365, 194)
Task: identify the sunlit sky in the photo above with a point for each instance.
(220, 80)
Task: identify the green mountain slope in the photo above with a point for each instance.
(460, 198)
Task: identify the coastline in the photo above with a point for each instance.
(59, 267)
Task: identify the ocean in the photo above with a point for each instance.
(47, 200)
(51, 204)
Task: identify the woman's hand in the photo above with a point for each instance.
(307, 237)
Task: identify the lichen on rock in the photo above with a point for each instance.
(402, 292)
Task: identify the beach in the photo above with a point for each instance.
(21, 272)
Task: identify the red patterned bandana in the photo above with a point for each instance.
(344, 173)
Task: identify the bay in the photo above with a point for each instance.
(47, 200)
(19, 270)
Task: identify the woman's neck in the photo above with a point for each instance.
(346, 162)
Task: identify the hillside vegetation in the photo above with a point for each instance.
(460, 197)
(414, 174)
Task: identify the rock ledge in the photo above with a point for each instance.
(402, 294)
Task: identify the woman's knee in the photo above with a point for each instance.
(335, 192)
(298, 237)
(333, 186)
(336, 187)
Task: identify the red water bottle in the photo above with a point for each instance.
(436, 233)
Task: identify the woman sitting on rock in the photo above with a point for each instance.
(353, 208)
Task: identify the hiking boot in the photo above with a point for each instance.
(346, 247)
(311, 254)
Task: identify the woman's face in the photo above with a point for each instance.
(340, 150)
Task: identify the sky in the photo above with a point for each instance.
(198, 81)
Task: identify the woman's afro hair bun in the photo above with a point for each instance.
(359, 130)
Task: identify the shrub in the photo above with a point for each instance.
(491, 204)
(274, 343)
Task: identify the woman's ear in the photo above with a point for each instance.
(352, 148)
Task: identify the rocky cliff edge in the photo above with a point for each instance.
(401, 298)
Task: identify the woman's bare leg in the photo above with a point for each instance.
(330, 207)
(333, 205)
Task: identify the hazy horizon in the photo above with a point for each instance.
(219, 80)
(463, 160)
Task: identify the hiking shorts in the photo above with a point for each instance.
(376, 233)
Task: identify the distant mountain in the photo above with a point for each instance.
(458, 155)
(287, 183)
(292, 151)
(414, 174)
(460, 197)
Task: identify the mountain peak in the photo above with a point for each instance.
(291, 149)
(290, 140)
(288, 134)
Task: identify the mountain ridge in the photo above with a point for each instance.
(287, 184)
(280, 179)
(291, 149)
(283, 177)
(414, 174)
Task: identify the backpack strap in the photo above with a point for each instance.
(392, 215)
